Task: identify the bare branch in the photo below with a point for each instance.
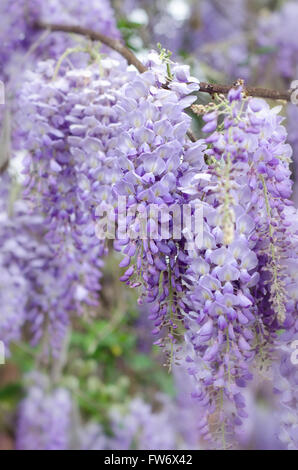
(250, 91)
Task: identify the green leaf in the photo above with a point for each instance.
(265, 50)
(141, 362)
(11, 392)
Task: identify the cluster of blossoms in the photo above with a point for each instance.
(155, 158)
(38, 287)
(48, 420)
(244, 291)
(286, 353)
(77, 266)
(70, 123)
(218, 36)
(54, 234)
(285, 383)
(20, 17)
(44, 421)
(94, 134)
(277, 33)
(23, 45)
(281, 40)
(13, 286)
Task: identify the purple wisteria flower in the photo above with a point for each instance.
(154, 158)
(66, 127)
(218, 36)
(19, 36)
(49, 420)
(94, 133)
(14, 286)
(44, 419)
(175, 426)
(278, 33)
(40, 288)
(242, 289)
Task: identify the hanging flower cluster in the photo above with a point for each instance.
(243, 288)
(48, 420)
(69, 124)
(13, 285)
(100, 134)
(281, 41)
(44, 421)
(39, 289)
(85, 130)
(155, 161)
(95, 133)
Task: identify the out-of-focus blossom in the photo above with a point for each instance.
(44, 419)
(277, 31)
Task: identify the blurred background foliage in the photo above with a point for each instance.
(109, 359)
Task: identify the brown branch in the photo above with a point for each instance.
(250, 91)
(116, 45)
(96, 36)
